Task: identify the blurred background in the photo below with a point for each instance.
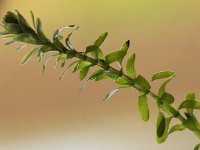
(39, 112)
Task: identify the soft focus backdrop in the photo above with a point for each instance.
(42, 113)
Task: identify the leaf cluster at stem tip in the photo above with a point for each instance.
(18, 30)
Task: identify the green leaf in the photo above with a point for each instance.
(84, 72)
(46, 48)
(82, 64)
(115, 56)
(164, 135)
(142, 83)
(95, 74)
(24, 25)
(125, 46)
(167, 98)
(26, 38)
(113, 91)
(160, 125)
(190, 96)
(10, 42)
(65, 71)
(100, 39)
(122, 81)
(90, 48)
(161, 90)
(190, 104)
(143, 107)
(13, 28)
(177, 127)
(130, 69)
(33, 18)
(28, 56)
(191, 122)
(197, 147)
(41, 34)
(162, 74)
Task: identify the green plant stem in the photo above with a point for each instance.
(101, 63)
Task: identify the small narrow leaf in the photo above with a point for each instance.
(10, 42)
(39, 30)
(113, 91)
(190, 104)
(191, 122)
(143, 107)
(162, 74)
(28, 56)
(90, 48)
(164, 135)
(47, 60)
(115, 56)
(33, 18)
(177, 127)
(95, 74)
(26, 38)
(160, 125)
(142, 83)
(65, 71)
(125, 46)
(100, 39)
(82, 64)
(21, 47)
(190, 96)
(167, 98)
(130, 69)
(84, 72)
(161, 90)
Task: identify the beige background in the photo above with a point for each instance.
(43, 113)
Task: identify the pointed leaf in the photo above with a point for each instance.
(190, 104)
(161, 90)
(143, 107)
(95, 74)
(28, 56)
(160, 125)
(90, 48)
(130, 69)
(33, 18)
(84, 72)
(125, 46)
(41, 34)
(65, 71)
(26, 38)
(177, 127)
(115, 56)
(81, 64)
(167, 98)
(192, 123)
(164, 135)
(142, 83)
(162, 74)
(113, 91)
(13, 28)
(100, 39)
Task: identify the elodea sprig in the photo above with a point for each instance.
(17, 28)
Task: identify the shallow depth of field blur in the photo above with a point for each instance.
(39, 112)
